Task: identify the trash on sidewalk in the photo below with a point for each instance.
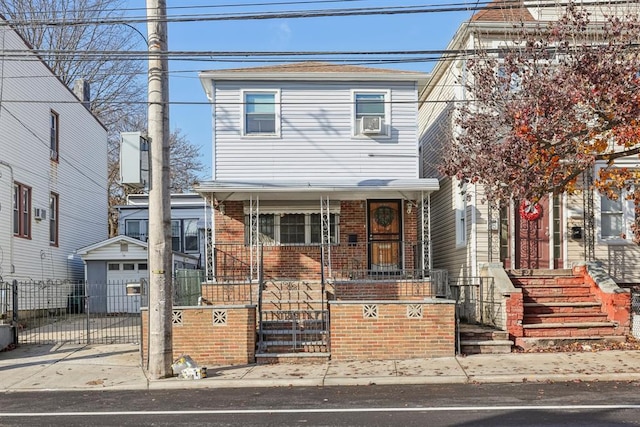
(187, 369)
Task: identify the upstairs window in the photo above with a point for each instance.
(371, 113)
(54, 143)
(53, 219)
(21, 211)
(137, 228)
(261, 113)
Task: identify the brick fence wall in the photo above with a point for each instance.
(385, 330)
(211, 335)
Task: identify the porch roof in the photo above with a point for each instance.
(343, 189)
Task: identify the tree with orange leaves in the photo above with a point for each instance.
(552, 103)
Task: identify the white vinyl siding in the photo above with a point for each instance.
(316, 134)
(79, 178)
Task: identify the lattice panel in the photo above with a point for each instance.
(370, 311)
(220, 317)
(414, 311)
(176, 317)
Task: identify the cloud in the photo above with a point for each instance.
(281, 34)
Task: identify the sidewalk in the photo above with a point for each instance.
(117, 367)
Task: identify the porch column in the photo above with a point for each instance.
(425, 213)
(254, 236)
(325, 224)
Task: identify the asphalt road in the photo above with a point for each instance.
(527, 404)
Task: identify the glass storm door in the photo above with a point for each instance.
(385, 235)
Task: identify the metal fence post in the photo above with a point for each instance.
(14, 313)
(86, 309)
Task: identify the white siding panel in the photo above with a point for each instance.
(29, 93)
(316, 134)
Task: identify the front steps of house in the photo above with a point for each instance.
(559, 308)
(294, 321)
(478, 339)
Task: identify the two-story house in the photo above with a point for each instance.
(316, 196)
(471, 235)
(53, 170)
(314, 157)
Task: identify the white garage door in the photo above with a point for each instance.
(119, 274)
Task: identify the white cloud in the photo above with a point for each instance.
(281, 34)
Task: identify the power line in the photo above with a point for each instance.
(318, 13)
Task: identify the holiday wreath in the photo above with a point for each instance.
(530, 211)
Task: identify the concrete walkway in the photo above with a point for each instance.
(118, 367)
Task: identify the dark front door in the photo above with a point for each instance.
(385, 235)
(532, 239)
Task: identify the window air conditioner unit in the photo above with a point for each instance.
(39, 213)
(371, 125)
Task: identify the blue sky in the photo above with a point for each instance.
(425, 31)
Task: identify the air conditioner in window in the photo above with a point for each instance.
(371, 124)
(39, 213)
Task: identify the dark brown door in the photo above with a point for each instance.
(532, 239)
(385, 235)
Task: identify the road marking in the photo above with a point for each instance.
(321, 411)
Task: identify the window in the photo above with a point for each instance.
(261, 113)
(612, 217)
(176, 233)
(113, 267)
(53, 219)
(184, 233)
(21, 211)
(290, 229)
(137, 228)
(371, 115)
(128, 266)
(461, 215)
(191, 235)
(54, 143)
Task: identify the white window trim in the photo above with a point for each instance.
(627, 220)
(628, 210)
(243, 110)
(386, 133)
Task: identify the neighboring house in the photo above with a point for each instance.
(467, 232)
(53, 170)
(522, 275)
(189, 215)
(117, 268)
(314, 155)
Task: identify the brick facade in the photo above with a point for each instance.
(211, 335)
(399, 330)
(233, 257)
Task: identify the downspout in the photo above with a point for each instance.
(474, 237)
(12, 267)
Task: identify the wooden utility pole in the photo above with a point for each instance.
(160, 278)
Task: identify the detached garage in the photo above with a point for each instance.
(114, 269)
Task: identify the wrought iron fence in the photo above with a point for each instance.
(635, 312)
(475, 300)
(236, 262)
(56, 311)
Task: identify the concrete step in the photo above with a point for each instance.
(531, 308)
(485, 346)
(563, 318)
(553, 291)
(570, 330)
(558, 298)
(540, 272)
(547, 281)
(293, 357)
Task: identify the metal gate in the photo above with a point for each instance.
(62, 311)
